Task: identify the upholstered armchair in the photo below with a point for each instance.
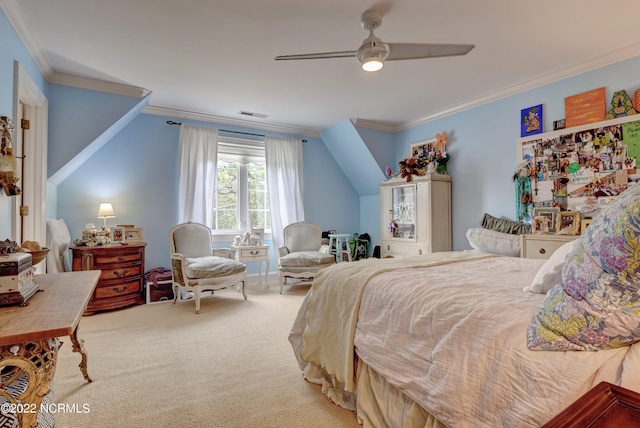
(196, 267)
(302, 254)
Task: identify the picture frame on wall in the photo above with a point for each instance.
(547, 217)
(424, 149)
(559, 124)
(531, 121)
(568, 223)
(133, 235)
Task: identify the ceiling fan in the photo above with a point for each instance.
(374, 52)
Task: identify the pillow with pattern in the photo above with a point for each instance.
(597, 305)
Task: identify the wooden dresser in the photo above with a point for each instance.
(122, 280)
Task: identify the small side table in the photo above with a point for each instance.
(342, 245)
(257, 253)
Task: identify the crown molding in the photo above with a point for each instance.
(204, 117)
(565, 73)
(98, 85)
(372, 124)
(15, 16)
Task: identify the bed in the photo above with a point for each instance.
(468, 339)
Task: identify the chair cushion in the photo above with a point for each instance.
(211, 266)
(306, 258)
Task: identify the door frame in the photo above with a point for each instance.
(31, 104)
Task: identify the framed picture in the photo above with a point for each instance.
(427, 149)
(548, 218)
(259, 233)
(584, 223)
(117, 234)
(559, 124)
(531, 121)
(568, 223)
(133, 234)
(539, 224)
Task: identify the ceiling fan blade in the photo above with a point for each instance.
(343, 54)
(398, 51)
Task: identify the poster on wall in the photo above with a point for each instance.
(531, 121)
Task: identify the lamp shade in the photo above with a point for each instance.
(106, 211)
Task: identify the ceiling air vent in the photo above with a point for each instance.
(248, 113)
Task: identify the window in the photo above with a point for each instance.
(242, 198)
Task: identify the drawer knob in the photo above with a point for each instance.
(118, 290)
(542, 251)
(121, 258)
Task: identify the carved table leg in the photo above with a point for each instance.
(37, 360)
(78, 346)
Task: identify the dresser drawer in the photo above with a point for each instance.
(113, 259)
(253, 252)
(117, 289)
(542, 246)
(120, 272)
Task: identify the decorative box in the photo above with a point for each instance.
(16, 279)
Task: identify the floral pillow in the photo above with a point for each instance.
(597, 305)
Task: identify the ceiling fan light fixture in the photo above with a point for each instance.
(373, 63)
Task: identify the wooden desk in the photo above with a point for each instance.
(29, 335)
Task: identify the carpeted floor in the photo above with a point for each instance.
(161, 365)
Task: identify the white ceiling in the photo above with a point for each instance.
(215, 57)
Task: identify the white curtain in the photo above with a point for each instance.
(285, 182)
(198, 152)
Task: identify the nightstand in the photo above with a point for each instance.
(541, 246)
(257, 253)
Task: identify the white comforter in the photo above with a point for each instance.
(454, 339)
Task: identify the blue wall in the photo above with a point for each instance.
(137, 172)
(483, 142)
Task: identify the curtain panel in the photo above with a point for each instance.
(283, 158)
(198, 153)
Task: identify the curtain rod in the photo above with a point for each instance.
(171, 122)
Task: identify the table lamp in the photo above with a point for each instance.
(106, 211)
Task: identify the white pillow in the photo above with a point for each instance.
(550, 273)
(490, 241)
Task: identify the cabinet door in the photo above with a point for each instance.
(403, 212)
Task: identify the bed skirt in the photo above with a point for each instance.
(380, 404)
(376, 402)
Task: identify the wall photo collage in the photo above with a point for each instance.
(573, 170)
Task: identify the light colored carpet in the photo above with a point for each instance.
(161, 365)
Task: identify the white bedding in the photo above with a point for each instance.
(454, 339)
